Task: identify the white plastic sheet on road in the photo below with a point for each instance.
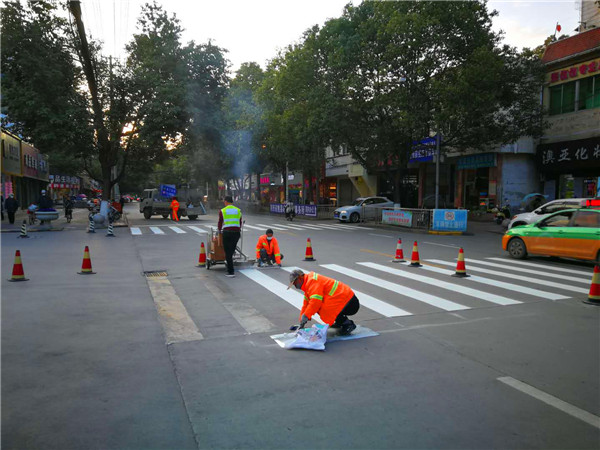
(314, 338)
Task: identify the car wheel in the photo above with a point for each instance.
(164, 216)
(193, 217)
(147, 213)
(517, 249)
(354, 217)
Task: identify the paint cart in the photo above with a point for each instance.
(216, 252)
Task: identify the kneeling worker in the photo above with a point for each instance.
(267, 250)
(332, 300)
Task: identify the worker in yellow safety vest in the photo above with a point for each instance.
(267, 250)
(333, 300)
(174, 209)
(230, 225)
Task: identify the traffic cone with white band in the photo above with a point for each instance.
(414, 259)
(309, 253)
(461, 269)
(202, 257)
(86, 265)
(18, 274)
(594, 297)
(399, 253)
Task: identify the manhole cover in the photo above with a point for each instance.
(155, 273)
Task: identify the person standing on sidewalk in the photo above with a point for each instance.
(230, 225)
(12, 207)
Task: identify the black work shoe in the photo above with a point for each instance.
(270, 263)
(347, 328)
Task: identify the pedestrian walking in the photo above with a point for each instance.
(333, 300)
(12, 206)
(2, 206)
(267, 250)
(174, 209)
(122, 202)
(230, 225)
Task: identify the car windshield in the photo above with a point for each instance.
(358, 202)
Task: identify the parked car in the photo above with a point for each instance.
(571, 233)
(366, 206)
(545, 210)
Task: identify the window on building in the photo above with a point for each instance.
(589, 93)
(566, 97)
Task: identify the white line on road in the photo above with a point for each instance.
(499, 284)
(498, 299)
(253, 227)
(157, 230)
(294, 298)
(559, 404)
(541, 266)
(270, 226)
(522, 270)
(196, 229)
(511, 276)
(399, 289)
(135, 231)
(441, 245)
(177, 230)
(381, 235)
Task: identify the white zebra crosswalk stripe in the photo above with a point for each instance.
(498, 299)
(499, 284)
(522, 270)
(157, 230)
(177, 230)
(294, 298)
(270, 226)
(541, 266)
(135, 231)
(196, 229)
(295, 228)
(381, 307)
(433, 300)
(252, 227)
(511, 276)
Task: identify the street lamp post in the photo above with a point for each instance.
(437, 167)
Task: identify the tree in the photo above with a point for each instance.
(46, 107)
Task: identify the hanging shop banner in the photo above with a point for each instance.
(449, 220)
(64, 182)
(301, 210)
(397, 217)
(570, 155)
(476, 161)
(11, 155)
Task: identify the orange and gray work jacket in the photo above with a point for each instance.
(325, 296)
(174, 204)
(272, 247)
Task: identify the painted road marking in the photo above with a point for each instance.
(294, 298)
(177, 230)
(379, 306)
(381, 235)
(270, 226)
(557, 403)
(196, 229)
(516, 277)
(498, 299)
(500, 284)
(253, 227)
(433, 300)
(174, 318)
(542, 266)
(135, 231)
(534, 272)
(441, 245)
(157, 230)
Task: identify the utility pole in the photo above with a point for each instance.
(287, 196)
(437, 166)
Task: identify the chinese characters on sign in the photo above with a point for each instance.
(584, 153)
(585, 69)
(301, 210)
(400, 218)
(449, 220)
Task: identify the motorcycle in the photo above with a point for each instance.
(290, 212)
(501, 213)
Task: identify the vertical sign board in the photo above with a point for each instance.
(397, 217)
(449, 220)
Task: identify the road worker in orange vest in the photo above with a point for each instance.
(267, 250)
(174, 209)
(331, 299)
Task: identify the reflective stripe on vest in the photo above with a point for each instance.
(334, 288)
(231, 216)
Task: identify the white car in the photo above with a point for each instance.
(545, 210)
(366, 206)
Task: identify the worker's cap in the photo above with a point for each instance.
(269, 231)
(294, 274)
(43, 191)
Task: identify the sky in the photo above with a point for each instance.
(256, 30)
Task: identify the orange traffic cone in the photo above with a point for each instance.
(399, 253)
(202, 257)
(309, 254)
(414, 259)
(17, 273)
(461, 269)
(594, 297)
(86, 266)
